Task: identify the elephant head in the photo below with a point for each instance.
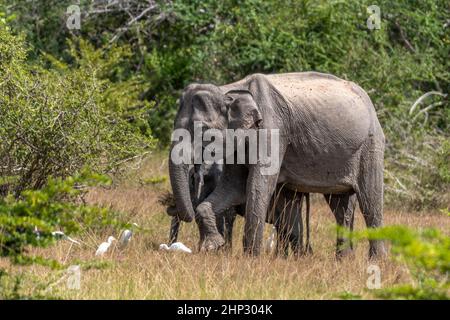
(203, 103)
(214, 109)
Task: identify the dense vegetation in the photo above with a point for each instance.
(425, 253)
(151, 50)
(54, 122)
(106, 93)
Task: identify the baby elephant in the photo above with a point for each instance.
(202, 181)
(285, 214)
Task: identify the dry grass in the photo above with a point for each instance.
(143, 272)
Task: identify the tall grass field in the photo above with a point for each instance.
(142, 271)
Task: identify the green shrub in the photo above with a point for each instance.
(180, 41)
(31, 219)
(54, 122)
(426, 253)
(27, 222)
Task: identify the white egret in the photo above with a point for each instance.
(60, 234)
(102, 248)
(125, 238)
(177, 246)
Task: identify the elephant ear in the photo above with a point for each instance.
(243, 112)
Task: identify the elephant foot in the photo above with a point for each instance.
(228, 246)
(212, 242)
(377, 250)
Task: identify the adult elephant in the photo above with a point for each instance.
(330, 142)
(285, 211)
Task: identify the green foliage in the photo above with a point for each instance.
(59, 113)
(443, 163)
(42, 22)
(426, 253)
(25, 286)
(179, 42)
(445, 211)
(54, 122)
(31, 219)
(346, 295)
(154, 180)
(9, 286)
(28, 222)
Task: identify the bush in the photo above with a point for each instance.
(178, 42)
(426, 254)
(54, 122)
(30, 220)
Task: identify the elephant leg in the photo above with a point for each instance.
(220, 223)
(308, 249)
(276, 216)
(259, 192)
(296, 234)
(282, 245)
(229, 192)
(229, 217)
(370, 196)
(292, 219)
(174, 228)
(289, 227)
(285, 214)
(343, 206)
(294, 223)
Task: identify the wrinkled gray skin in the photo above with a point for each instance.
(331, 142)
(285, 212)
(202, 181)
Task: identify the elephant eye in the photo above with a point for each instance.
(235, 104)
(234, 109)
(200, 107)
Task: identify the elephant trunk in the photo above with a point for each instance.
(180, 185)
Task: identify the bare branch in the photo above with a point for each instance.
(423, 97)
(131, 22)
(425, 110)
